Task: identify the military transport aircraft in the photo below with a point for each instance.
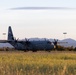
(27, 45)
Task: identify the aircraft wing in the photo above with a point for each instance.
(62, 42)
(3, 41)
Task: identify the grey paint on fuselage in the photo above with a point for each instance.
(34, 45)
(42, 45)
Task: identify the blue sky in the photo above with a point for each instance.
(38, 23)
(20, 3)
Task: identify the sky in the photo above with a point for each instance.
(45, 23)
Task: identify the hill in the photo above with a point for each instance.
(70, 42)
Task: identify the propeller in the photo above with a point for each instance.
(16, 40)
(27, 43)
(55, 42)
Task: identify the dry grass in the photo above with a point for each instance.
(37, 63)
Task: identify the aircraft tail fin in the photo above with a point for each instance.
(10, 34)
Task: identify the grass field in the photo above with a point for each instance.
(37, 63)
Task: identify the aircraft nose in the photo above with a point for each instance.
(52, 46)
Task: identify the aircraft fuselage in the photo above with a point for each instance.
(33, 45)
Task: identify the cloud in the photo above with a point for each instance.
(38, 8)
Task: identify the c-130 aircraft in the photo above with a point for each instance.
(27, 45)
